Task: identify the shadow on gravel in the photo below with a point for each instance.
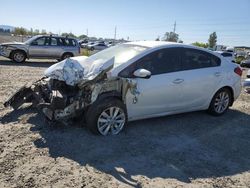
(30, 63)
(185, 147)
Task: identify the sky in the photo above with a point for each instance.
(135, 19)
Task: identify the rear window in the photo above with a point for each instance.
(226, 54)
(196, 59)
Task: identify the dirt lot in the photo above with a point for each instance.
(192, 149)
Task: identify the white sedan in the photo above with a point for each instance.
(170, 78)
(97, 46)
(136, 80)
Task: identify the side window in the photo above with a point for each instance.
(60, 42)
(196, 59)
(39, 42)
(69, 42)
(159, 62)
(73, 42)
(53, 41)
(66, 42)
(47, 41)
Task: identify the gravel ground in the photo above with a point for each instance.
(190, 150)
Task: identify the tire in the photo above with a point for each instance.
(220, 102)
(18, 56)
(92, 48)
(66, 55)
(98, 117)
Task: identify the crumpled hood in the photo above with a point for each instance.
(76, 69)
(12, 43)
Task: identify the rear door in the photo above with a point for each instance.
(55, 47)
(70, 45)
(202, 74)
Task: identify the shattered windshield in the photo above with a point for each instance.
(122, 53)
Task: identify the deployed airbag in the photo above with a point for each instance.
(76, 69)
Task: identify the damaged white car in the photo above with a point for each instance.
(133, 81)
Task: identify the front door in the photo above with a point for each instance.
(161, 92)
(39, 48)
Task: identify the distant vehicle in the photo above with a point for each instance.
(83, 43)
(41, 47)
(228, 55)
(110, 43)
(248, 74)
(246, 83)
(97, 46)
(245, 63)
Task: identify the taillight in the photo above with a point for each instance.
(238, 71)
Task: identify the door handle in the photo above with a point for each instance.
(217, 74)
(178, 81)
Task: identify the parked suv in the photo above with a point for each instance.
(41, 47)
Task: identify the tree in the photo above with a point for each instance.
(43, 32)
(69, 35)
(83, 36)
(171, 36)
(30, 32)
(157, 39)
(36, 32)
(212, 40)
(201, 44)
(20, 31)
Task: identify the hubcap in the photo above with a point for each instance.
(221, 102)
(111, 121)
(18, 57)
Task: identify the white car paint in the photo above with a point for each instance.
(168, 93)
(159, 95)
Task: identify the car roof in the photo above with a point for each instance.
(55, 36)
(156, 44)
(152, 44)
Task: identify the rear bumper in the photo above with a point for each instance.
(237, 89)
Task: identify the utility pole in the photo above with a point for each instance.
(174, 26)
(87, 32)
(115, 34)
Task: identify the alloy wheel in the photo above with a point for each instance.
(221, 102)
(18, 57)
(111, 121)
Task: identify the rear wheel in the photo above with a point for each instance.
(220, 102)
(66, 55)
(18, 56)
(107, 117)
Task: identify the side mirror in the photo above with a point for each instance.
(142, 73)
(34, 43)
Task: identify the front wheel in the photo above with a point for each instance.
(220, 102)
(18, 56)
(107, 117)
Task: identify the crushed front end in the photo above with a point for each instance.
(66, 92)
